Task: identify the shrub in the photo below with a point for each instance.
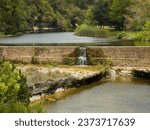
(69, 61)
(144, 36)
(13, 85)
(146, 26)
(121, 35)
(34, 60)
(14, 92)
(20, 107)
(90, 31)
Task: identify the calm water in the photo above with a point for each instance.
(60, 38)
(65, 38)
(120, 95)
(55, 37)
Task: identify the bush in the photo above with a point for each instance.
(90, 31)
(69, 61)
(146, 26)
(139, 36)
(20, 107)
(13, 85)
(142, 43)
(121, 35)
(14, 92)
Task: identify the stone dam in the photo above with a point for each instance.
(120, 56)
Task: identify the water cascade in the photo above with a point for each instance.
(82, 59)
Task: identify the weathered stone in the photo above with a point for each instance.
(49, 87)
(141, 73)
(121, 56)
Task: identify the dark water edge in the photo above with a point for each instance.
(111, 43)
(123, 94)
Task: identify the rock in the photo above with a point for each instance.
(51, 86)
(141, 73)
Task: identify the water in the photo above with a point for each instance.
(65, 38)
(51, 38)
(82, 59)
(119, 95)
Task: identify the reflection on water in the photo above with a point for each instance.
(120, 95)
(55, 37)
(66, 38)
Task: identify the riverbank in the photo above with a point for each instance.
(121, 74)
(49, 80)
(106, 32)
(46, 82)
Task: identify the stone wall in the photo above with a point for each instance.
(52, 54)
(120, 56)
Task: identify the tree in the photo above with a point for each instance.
(13, 87)
(101, 12)
(139, 15)
(118, 11)
(13, 16)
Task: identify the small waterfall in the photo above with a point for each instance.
(82, 59)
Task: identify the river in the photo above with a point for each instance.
(112, 95)
(61, 38)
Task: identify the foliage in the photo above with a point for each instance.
(139, 13)
(138, 36)
(118, 10)
(142, 43)
(65, 15)
(144, 36)
(14, 92)
(101, 12)
(20, 107)
(147, 26)
(34, 60)
(13, 85)
(22, 15)
(13, 16)
(69, 61)
(91, 31)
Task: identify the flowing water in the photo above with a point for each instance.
(113, 95)
(82, 59)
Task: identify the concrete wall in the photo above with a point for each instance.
(52, 54)
(120, 56)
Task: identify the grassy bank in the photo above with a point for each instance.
(137, 36)
(3, 35)
(91, 31)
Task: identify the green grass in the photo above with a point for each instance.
(91, 31)
(2, 35)
(137, 36)
(19, 107)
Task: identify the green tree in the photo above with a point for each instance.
(118, 11)
(13, 16)
(13, 85)
(139, 15)
(101, 12)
